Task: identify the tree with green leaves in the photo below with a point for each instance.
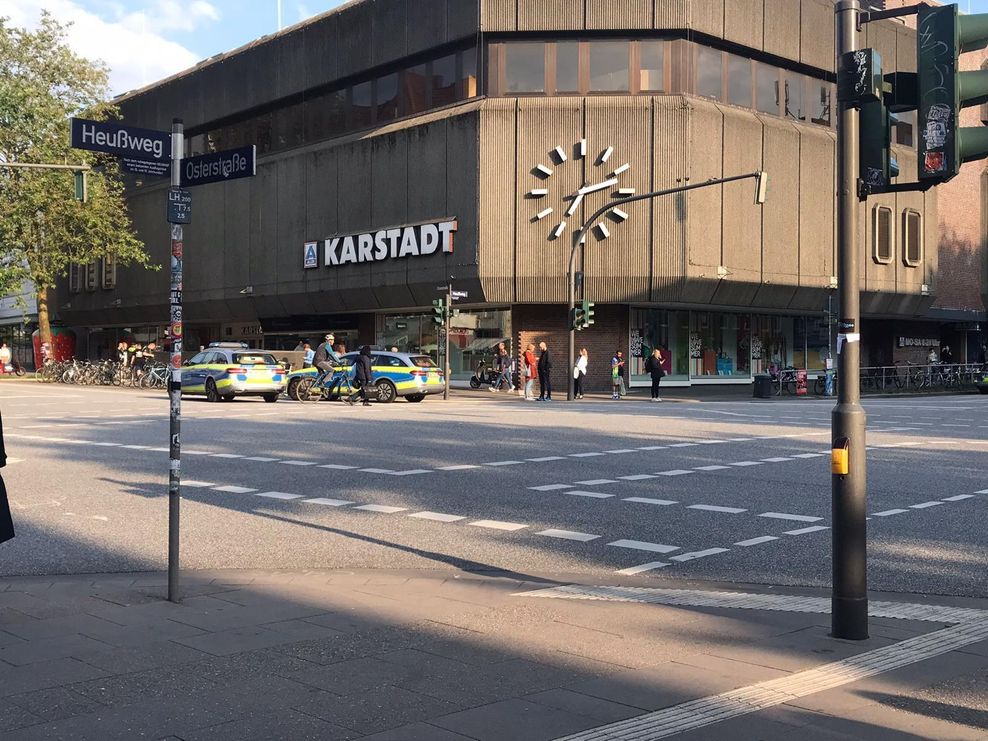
(43, 228)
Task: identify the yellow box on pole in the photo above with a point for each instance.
(839, 457)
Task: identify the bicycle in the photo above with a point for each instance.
(785, 380)
(315, 388)
(155, 376)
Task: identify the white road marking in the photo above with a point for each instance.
(551, 487)
(647, 500)
(278, 495)
(957, 498)
(654, 447)
(568, 535)
(983, 491)
(674, 472)
(643, 567)
(889, 512)
(303, 463)
(711, 442)
(714, 508)
(684, 445)
(638, 477)
(546, 458)
(808, 455)
(462, 467)
(756, 541)
(381, 508)
(805, 530)
(329, 502)
(196, 452)
(411, 472)
(198, 484)
(504, 463)
(498, 525)
(226, 455)
(591, 494)
(621, 450)
(584, 455)
(596, 482)
(711, 468)
(780, 459)
(742, 464)
(924, 505)
(129, 447)
(371, 470)
(698, 554)
(235, 489)
(335, 466)
(114, 445)
(437, 516)
(787, 516)
(640, 545)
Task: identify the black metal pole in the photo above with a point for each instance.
(849, 617)
(447, 323)
(571, 277)
(175, 385)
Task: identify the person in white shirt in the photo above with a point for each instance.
(580, 373)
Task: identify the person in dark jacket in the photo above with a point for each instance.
(363, 375)
(6, 523)
(654, 368)
(545, 373)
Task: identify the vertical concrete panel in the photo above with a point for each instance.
(389, 207)
(931, 231)
(616, 269)
(291, 62)
(816, 38)
(291, 234)
(355, 198)
(322, 50)
(878, 279)
(743, 22)
(321, 221)
(705, 16)
(742, 252)
(817, 189)
(671, 129)
(462, 176)
(541, 262)
(676, 13)
(355, 37)
(498, 15)
(781, 24)
(619, 14)
(905, 49)
(550, 15)
(462, 18)
(390, 22)
(425, 24)
(264, 212)
(882, 37)
(908, 281)
(780, 215)
(703, 208)
(498, 191)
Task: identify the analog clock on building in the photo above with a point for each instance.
(603, 175)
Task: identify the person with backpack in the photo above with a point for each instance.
(654, 368)
(363, 375)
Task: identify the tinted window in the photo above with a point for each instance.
(794, 101)
(325, 115)
(882, 234)
(361, 105)
(766, 88)
(567, 66)
(468, 74)
(243, 358)
(288, 126)
(904, 128)
(198, 358)
(709, 73)
(821, 95)
(524, 67)
(387, 97)
(389, 361)
(423, 361)
(652, 65)
(414, 90)
(738, 81)
(444, 81)
(609, 62)
(912, 238)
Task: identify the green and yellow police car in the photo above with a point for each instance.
(226, 370)
(412, 376)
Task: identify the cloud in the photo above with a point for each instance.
(131, 43)
(304, 12)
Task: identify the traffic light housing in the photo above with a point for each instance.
(577, 318)
(863, 83)
(942, 91)
(81, 186)
(439, 311)
(587, 313)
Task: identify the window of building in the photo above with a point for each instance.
(444, 81)
(567, 66)
(767, 89)
(415, 90)
(739, 81)
(912, 238)
(651, 66)
(325, 116)
(668, 331)
(794, 100)
(361, 105)
(709, 72)
(820, 102)
(882, 234)
(288, 127)
(92, 276)
(264, 132)
(468, 73)
(524, 67)
(386, 97)
(75, 281)
(905, 127)
(109, 272)
(610, 65)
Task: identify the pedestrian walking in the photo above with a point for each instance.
(363, 375)
(622, 374)
(503, 365)
(308, 354)
(580, 373)
(946, 356)
(4, 357)
(654, 368)
(6, 522)
(545, 373)
(531, 371)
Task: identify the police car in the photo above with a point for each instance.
(226, 370)
(396, 374)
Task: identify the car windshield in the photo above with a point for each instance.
(422, 361)
(254, 358)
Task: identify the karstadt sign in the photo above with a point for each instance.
(393, 243)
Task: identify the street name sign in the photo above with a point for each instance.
(123, 141)
(216, 167)
(179, 206)
(146, 167)
(459, 294)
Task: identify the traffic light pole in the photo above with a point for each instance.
(578, 238)
(849, 600)
(175, 385)
(447, 322)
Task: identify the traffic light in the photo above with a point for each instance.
(587, 313)
(576, 318)
(942, 91)
(81, 186)
(876, 123)
(439, 311)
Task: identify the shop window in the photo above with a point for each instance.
(882, 234)
(772, 343)
(794, 100)
(905, 127)
(666, 330)
(767, 89)
(361, 105)
(610, 66)
(75, 278)
(709, 72)
(739, 81)
(468, 73)
(415, 90)
(651, 75)
(821, 102)
(912, 238)
(109, 272)
(386, 97)
(567, 66)
(92, 275)
(720, 344)
(325, 116)
(444, 81)
(524, 67)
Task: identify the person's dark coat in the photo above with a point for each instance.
(653, 366)
(545, 362)
(362, 367)
(6, 523)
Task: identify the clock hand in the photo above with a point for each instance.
(597, 186)
(575, 204)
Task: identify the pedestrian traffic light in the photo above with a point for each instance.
(862, 83)
(439, 311)
(942, 90)
(577, 318)
(587, 313)
(81, 186)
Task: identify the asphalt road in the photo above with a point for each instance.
(729, 491)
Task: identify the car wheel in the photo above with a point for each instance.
(271, 398)
(474, 382)
(292, 390)
(415, 397)
(386, 392)
(212, 393)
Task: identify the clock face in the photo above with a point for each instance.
(603, 175)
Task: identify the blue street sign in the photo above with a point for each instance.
(123, 141)
(216, 167)
(179, 206)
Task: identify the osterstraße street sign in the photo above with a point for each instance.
(123, 141)
(216, 167)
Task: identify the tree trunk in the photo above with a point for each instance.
(44, 323)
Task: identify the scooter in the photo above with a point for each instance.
(485, 374)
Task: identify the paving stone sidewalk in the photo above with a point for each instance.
(437, 656)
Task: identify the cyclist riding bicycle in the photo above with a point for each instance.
(326, 360)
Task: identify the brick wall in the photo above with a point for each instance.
(535, 323)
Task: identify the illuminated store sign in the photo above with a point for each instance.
(384, 244)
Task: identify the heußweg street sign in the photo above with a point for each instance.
(123, 141)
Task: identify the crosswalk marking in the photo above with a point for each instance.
(640, 545)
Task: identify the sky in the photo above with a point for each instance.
(142, 41)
